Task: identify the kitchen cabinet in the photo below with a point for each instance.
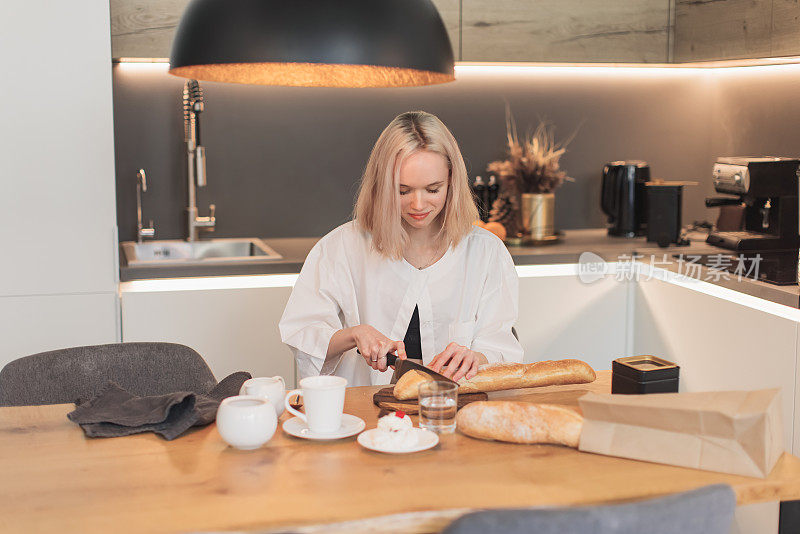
(144, 28)
(726, 29)
(630, 31)
(37, 323)
(785, 38)
(734, 29)
(450, 11)
(627, 31)
(233, 329)
(58, 233)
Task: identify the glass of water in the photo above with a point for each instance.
(437, 406)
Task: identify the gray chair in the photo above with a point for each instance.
(65, 375)
(707, 510)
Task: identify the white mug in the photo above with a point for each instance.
(246, 422)
(323, 398)
(272, 388)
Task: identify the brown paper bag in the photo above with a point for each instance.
(737, 432)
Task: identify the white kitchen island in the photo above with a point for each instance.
(722, 338)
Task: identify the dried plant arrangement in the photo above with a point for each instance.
(531, 167)
(533, 162)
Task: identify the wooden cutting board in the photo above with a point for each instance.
(385, 400)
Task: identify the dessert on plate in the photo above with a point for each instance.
(395, 431)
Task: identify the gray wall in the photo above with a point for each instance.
(756, 111)
(286, 161)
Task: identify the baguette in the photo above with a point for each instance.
(503, 375)
(521, 422)
(407, 386)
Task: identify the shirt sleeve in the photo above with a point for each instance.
(498, 310)
(313, 313)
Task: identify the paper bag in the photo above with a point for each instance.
(738, 432)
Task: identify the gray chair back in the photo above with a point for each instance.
(707, 510)
(65, 375)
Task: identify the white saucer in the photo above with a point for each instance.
(351, 425)
(425, 440)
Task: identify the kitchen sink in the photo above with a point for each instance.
(205, 252)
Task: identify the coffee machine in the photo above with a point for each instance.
(624, 199)
(767, 247)
(768, 188)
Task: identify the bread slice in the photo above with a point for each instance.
(407, 386)
(521, 422)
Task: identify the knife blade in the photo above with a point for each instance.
(404, 366)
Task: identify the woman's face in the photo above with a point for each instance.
(424, 178)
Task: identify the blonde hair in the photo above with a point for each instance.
(377, 209)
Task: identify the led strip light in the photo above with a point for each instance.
(219, 283)
(211, 283)
(464, 67)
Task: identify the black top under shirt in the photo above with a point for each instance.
(412, 341)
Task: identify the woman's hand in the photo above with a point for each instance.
(374, 346)
(461, 362)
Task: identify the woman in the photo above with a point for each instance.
(410, 274)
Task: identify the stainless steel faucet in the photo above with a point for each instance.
(141, 187)
(196, 159)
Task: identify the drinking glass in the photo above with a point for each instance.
(437, 406)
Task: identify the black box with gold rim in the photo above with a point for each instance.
(644, 374)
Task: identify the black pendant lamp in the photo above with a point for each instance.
(313, 43)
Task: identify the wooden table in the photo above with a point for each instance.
(55, 479)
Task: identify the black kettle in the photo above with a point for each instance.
(624, 199)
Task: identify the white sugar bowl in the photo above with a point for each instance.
(246, 422)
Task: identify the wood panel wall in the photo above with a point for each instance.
(736, 29)
(144, 28)
(635, 31)
(785, 28)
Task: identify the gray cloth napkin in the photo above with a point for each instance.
(115, 412)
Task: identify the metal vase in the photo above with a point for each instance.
(538, 215)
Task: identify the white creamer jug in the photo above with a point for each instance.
(272, 388)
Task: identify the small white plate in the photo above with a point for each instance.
(351, 425)
(425, 440)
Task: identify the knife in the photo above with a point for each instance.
(404, 366)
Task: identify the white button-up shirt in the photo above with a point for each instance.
(470, 296)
